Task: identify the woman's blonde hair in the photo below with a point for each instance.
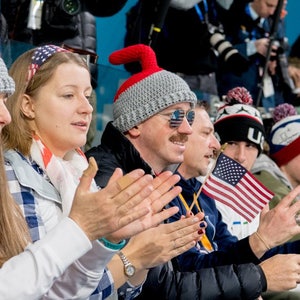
(14, 233)
(18, 134)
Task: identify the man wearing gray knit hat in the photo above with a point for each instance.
(7, 84)
(148, 92)
(7, 88)
(152, 117)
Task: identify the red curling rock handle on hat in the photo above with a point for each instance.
(148, 92)
(141, 52)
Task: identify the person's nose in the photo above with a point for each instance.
(240, 154)
(5, 117)
(185, 127)
(215, 143)
(85, 105)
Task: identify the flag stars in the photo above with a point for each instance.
(229, 171)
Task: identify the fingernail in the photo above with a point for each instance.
(200, 231)
(202, 224)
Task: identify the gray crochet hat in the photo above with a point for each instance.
(148, 92)
(7, 84)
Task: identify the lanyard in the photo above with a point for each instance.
(204, 240)
(199, 12)
(211, 20)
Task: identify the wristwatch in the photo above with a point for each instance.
(129, 268)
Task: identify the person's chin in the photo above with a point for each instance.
(81, 143)
(176, 159)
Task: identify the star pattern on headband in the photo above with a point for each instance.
(40, 55)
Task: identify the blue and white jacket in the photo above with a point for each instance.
(85, 277)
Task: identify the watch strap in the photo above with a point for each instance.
(127, 264)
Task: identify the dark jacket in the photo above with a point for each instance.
(115, 151)
(240, 282)
(232, 282)
(3, 29)
(240, 28)
(182, 45)
(57, 27)
(227, 249)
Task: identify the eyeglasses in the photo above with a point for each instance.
(89, 56)
(176, 117)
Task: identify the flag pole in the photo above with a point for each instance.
(207, 175)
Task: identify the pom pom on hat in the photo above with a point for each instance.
(238, 95)
(282, 111)
(148, 92)
(7, 84)
(238, 120)
(285, 134)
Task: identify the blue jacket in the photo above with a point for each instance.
(227, 249)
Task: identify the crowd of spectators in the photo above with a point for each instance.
(217, 45)
(129, 218)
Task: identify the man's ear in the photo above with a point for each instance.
(27, 107)
(134, 132)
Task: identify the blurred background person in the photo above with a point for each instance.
(250, 27)
(191, 42)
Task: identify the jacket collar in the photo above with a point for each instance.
(29, 177)
(123, 149)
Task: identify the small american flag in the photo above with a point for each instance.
(231, 184)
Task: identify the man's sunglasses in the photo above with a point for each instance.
(177, 116)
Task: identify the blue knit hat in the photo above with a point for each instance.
(285, 134)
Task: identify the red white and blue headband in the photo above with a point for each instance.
(40, 55)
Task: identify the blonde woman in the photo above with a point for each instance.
(51, 114)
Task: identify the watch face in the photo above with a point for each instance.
(130, 270)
